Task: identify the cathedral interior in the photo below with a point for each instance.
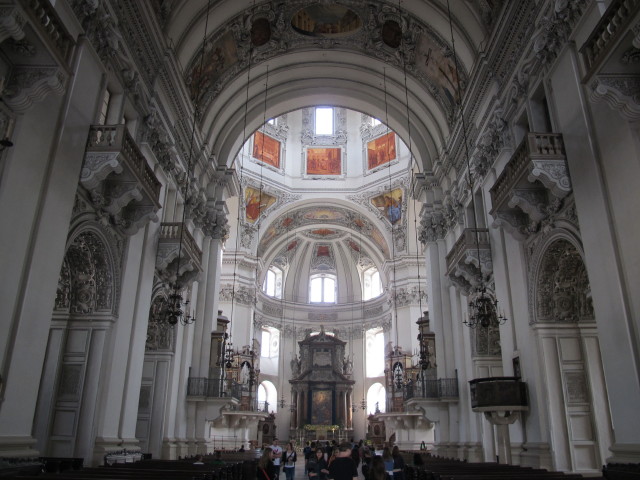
(408, 222)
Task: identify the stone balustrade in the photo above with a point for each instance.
(607, 33)
(531, 183)
(470, 258)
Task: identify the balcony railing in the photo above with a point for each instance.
(433, 389)
(116, 138)
(471, 240)
(604, 38)
(213, 388)
(51, 27)
(535, 146)
(172, 232)
(498, 393)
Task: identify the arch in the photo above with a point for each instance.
(376, 398)
(89, 279)
(267, 392)
(231, 84)
(160, 334)
(561, 290)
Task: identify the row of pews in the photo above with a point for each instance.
(229, 467)
(436, 468)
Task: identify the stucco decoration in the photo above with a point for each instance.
(327, 215)
(378, 30)
(160, 335)
(88, 282)
(562, 291)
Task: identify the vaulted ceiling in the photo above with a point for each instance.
(391, 59)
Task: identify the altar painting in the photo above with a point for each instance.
(390, 205)
(266, 149)
(256, 202)
(381, 150)
(324, 161)
(321, 411)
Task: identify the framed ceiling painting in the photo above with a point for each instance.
(324, 162)
(266, 149)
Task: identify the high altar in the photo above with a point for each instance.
(322, 388)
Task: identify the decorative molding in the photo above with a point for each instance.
(620, 92)
(31, 84)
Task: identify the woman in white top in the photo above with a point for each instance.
(289, 458)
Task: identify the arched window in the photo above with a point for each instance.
(273, 282)
(267, 397)
(371, 284)
(270, 344)
(322, 288)
(376, 398)
(375, 352)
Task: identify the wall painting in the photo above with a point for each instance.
(256, 203)
(266, 149)
(436, 63)
(325, 20)
(219, 55)
(381, 150)
(390, 205)
(321, 407)
(324, 161)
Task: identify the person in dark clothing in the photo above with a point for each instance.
(377, 470)
(343, 467)
(398, 464)
(317, 466)
(307, 451)
(266, 469)
(417, 460)
(355, 455)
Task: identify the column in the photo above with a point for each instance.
(37, 198)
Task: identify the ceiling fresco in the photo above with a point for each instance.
(374, 29)
(314, 217)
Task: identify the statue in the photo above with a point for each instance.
(295, 365)
(347, 366)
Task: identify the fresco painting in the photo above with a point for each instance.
(324, 161)
(390, 205)
(219, 55)
(381, 150)
(323, 251)
(325, 21)
(324, 214)
(266, 149)
(436, 63)
(256, 202)
(323, 232)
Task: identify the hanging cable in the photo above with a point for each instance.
(483, 309)
(175, 312)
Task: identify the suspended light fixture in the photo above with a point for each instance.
(483, 309)
(176, 305)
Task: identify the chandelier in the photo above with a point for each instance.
(483, 310)
(175, 309)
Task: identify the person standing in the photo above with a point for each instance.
(307, 451)
(277, 455)
(387, 458)
(318, 466)
(398, 464)
(265, 470)
(289, 460)
(343, 467)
